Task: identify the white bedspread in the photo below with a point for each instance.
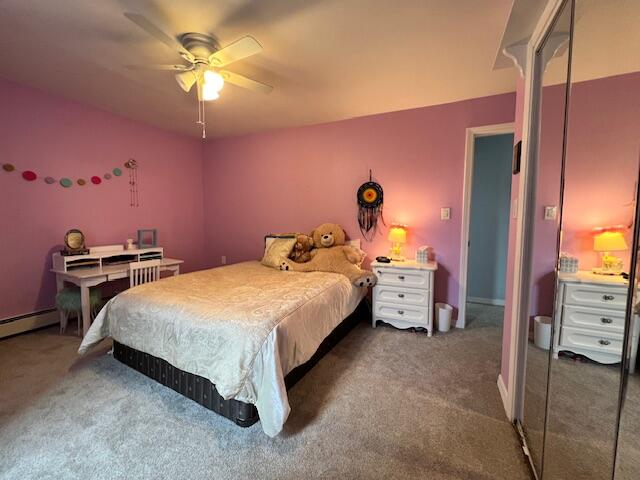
(243, 326)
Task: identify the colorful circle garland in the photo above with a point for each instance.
(29, 176)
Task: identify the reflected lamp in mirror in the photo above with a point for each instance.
(397, 237)
(606, 241)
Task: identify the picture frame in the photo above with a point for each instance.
(148, 238)
(517, 153)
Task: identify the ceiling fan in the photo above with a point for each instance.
(207, 61)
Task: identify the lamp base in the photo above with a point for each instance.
(395, 253)
(606, 271)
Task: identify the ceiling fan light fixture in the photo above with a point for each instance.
(186, 80)
(213, 80)
(209, 93)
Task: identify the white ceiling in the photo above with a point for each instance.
(606, 42)
(606, 38)
(327, 59)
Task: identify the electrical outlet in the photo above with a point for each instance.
(223, 259)
(445, 213)
(550, 213)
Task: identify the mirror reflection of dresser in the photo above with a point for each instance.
(590, 317)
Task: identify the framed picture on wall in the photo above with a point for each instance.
(517, 151)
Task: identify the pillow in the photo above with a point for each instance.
(276, 249)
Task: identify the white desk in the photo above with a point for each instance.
(86, 278)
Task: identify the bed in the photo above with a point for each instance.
(231, 334)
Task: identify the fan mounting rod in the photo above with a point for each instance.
(200, 45)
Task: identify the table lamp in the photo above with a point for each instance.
(608, 241)
(397, 237)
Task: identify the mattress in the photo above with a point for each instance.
(243, 327)
(202, 391)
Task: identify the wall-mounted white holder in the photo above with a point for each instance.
(550, 212)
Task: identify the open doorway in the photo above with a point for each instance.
(485, 228)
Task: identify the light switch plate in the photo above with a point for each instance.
(550, 212)
(445, 213)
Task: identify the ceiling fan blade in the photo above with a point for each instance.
(242, 48)
(244, 82)
(175, 68)
(158, 34)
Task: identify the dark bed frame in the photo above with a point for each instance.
(202, 391)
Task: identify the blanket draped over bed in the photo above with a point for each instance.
(243, 326)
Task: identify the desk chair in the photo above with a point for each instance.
(144, 272)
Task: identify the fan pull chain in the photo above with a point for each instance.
(204, 122)
(201, 118)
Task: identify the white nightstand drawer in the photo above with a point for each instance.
(399, 295)
(591, 340)
(402, 312)
(596, 296)
(605, 320)
(403, 277)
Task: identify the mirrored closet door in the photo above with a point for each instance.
(581, 412)
(552, 60)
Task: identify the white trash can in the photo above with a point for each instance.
(443, 316)
(542, 332)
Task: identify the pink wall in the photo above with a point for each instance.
(602, 161)
(295, 179)
(601, 170)
(56, 137)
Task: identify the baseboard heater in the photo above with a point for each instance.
(202, 391)
(28, 322)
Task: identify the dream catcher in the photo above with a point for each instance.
(369, 208)
(132, 166)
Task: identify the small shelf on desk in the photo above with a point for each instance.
(105, 258)
(83, 263)
(154, 255)
(119, 260)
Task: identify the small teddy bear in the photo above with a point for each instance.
(301, 252)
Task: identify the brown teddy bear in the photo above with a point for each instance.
(332, 255)
(301, 252)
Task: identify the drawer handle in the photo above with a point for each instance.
(604, 342)
(401, 312)
(401, 277)
(401, 295)
(606, 320)
(607, 298)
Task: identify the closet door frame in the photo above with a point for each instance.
(533, 73)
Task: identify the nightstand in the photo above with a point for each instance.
(590, 317)
(403, 296)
